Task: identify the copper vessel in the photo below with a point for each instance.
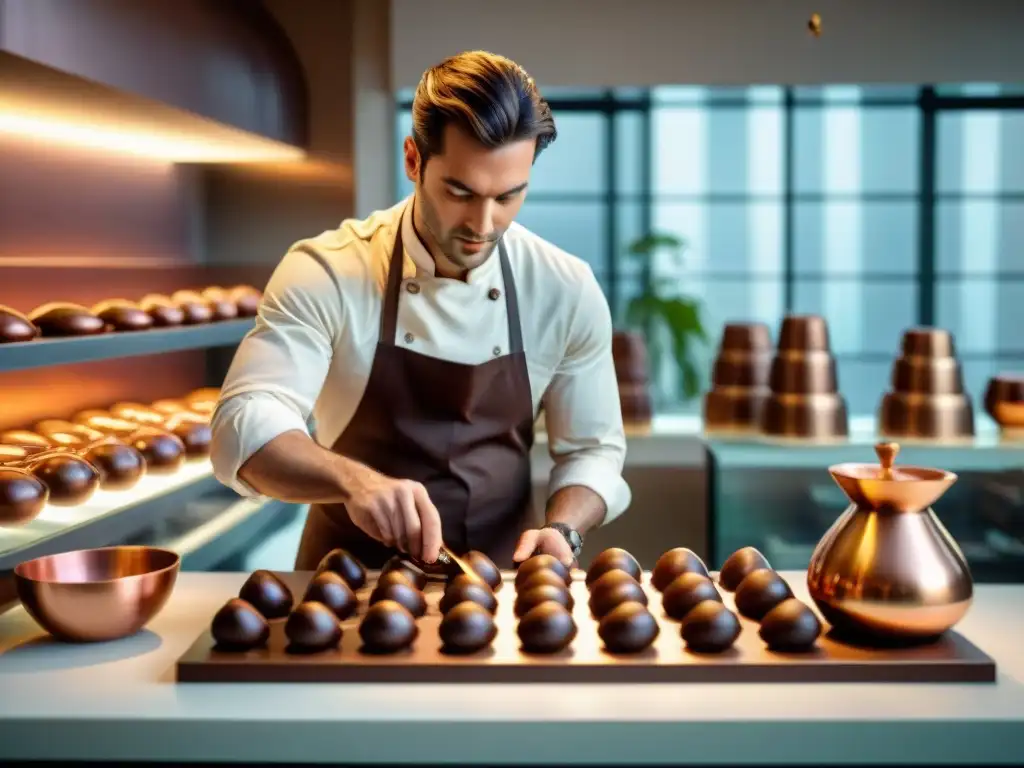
(887, 569)
(805, 402)
(927, 399)
(1004, 401)
(97, 594)
(739, 379)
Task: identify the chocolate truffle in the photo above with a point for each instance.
(466, 628)
(685, 593)
(675, 563)
(122, 315)
(22, 496)
(387, 627)
(547, 628)
(790, 626)
(120, 466)
(165, 313)
(541, 577)
(526, 600)
(484, 568)
(162, 451)
(416, 576)
(71, 479)
(237, 626)
(710, 628)
(464, 588)
(14, 326)
(738, 565)
(407, 596)
(62, 318)
(759, 592)
(341, 562)
(331, 590)
(195, 435)
(542, 562)
(394, 577)
(628, 628)
(265, 592)
(312, 627)
(613, 559)
(246, 298)
(613, 588)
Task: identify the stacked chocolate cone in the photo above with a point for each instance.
(739, 382)
(629, 353)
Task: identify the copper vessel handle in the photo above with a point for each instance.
(887, 455)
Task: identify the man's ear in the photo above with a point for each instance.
(412, 159)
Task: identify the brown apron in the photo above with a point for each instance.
(463, 431)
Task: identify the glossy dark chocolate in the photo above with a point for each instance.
(407, 596)
(612, 588)
(60, 318)
(467, 628)
(685, 593)
(548, 628)
(527, 600)
(738, 565)
(464, 588)
(14, 326)
(613, 559)
(120, 466)
(162, 451)
(710, 628)
(484, 568)
(393, 577)
(540, 578)
(539, 562)
(341, 562)
(165, 313)
(22, 496)
(759, 592)
(239, 627)
(414, 574)
(791, 627)
(675, 563)
(123, 315)
(265, 592)
(71, 479)
(197, 309)
(196, 436)
(312, 627)
(247, 299)
(387, 627)
(328, 588)
(628, 628)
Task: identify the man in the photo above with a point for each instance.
(425, 338)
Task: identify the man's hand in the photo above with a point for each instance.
(395, 513)
(543, 541)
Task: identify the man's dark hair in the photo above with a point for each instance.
(488, 96)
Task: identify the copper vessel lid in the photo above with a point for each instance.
(905, 489)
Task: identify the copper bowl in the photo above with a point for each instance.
(943, 417)
(94, 595)
(817, 416)
(1004, 400)
(732, 409)
(928, 342)
(746, 337)
(927, 375)
(741, 369)
(803, 373)
(804, 333)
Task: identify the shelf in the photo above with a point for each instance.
(107, 516)
(107, 346)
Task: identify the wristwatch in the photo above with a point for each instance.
(571, 535)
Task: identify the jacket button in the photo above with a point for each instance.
(496, 351)
(413, 288)
(409, 338)
(493, 294)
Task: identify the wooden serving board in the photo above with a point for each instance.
(952, 659)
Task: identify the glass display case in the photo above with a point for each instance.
(779, 496)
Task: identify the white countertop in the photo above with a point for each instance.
(119, 701)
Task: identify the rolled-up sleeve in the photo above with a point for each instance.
(583, 416)
(279, 369)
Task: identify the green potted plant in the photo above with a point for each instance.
(669, 322)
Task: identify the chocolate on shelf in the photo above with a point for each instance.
(387, 627)
(165, 313)
(629, 354)
(312, 627)
(531, 598)
(613, 559)
(63, 318)
(247, 299)
(1004, 402)
(71, 479)
(239, 627)
(710, 627)
(738, 565)
(547, 628)
(628, 628)
(408, 597)
(464, 588)
(685, 593)
(674, 563)
(467, 628)
(22, 496)
(341, 562)
(268, 594)
(739, 380)
(120, 465)
(164, 452)
(122, 315)
(15, 326)
(541, 577)
(197, 310)
(25, 438)
(541, 562)
(759, 592)
(614, 587)
(221, 304)
(790, 626)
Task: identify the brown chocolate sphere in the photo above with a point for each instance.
(484, 568)
(613, 559)
(415, 575)
(738, 565)
(685, 593)
(265, 592)
(120, 466)
(341, 562)
(333, 591)
(675, 563)
(387, 627)
(548, 628)
(237, 626)
(467, 628)
(538, 562)
(394, 577)
(526, 600)
(710, 628)
(71, 479)
(759, 592)
(409, 597)
(14, 326)
(790, 627)
(22, 496)
(542, 577)
(464, 588)
(613, 588)
(628, 628)
(312, 627)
